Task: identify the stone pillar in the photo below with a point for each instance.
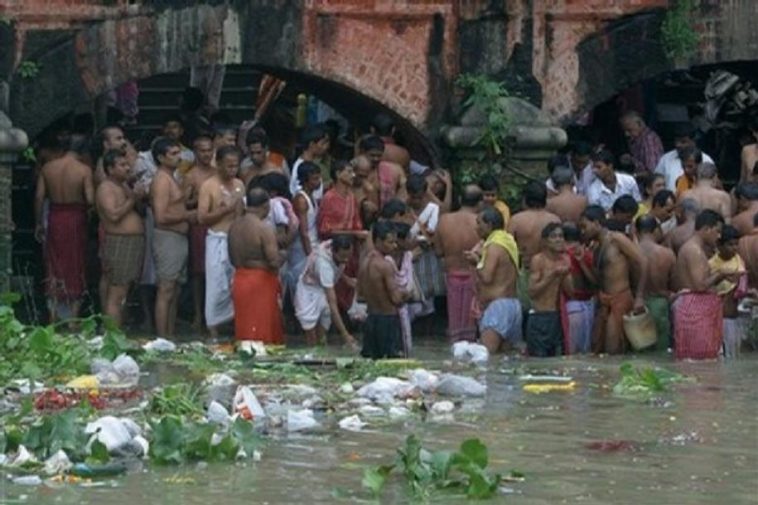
(12, 142)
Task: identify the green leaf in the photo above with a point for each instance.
(244, 433)
(441, 462)
(167, 441)
(374, 479)
(475, 451)
(41, 339)
(98, 453)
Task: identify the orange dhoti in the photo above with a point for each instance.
(257, 315)
(608, 335)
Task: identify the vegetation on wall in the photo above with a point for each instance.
(680, 39)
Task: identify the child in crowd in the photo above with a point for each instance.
(731, 289)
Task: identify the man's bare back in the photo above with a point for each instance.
(661, 262)
(568, 206)
(456, 233)
(396, 154)
(691, 269)
(749, 159)
(67, 180)
(748, 251)
(677, 237)
(526, 227)
(745, 219)
(711, 198)
(252, 244)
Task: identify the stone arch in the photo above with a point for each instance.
(277, 35)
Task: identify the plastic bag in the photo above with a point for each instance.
(160, 345)
(385, 389)
(470, 352)
(300, 420)
(217, 414)
(57, 463)
(443, 407)
(351, 423)
(423, 379)
(112, 432)
(457, 385)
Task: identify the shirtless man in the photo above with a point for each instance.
(550, 271)
(124, 243)
(387, 176)
(497, 274)
(707, 195)
(191, 183)
(659, 277)
(566, 204)
(748, 251)
(615, 259)
(456, 234)
(526, 226)
(67, 184)
(747, 206)
(697, 311)
(749, 156)
(382, 331)
(112, 137)
(687, 212)
(257, 163)
(366, 193)
(219, 203)
(383, 126)
(256, 258)
(170, 245)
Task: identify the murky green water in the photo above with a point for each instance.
(697, 444)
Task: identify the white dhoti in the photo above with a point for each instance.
(218, 279)
(735, 331)
(581, 318)
(312, 306)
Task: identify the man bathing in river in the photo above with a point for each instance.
(124, 242)
(615, 258)
(256, 258)
(497, 274)
(382, 332)
(219, 203)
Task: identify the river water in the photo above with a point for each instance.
(695, 444)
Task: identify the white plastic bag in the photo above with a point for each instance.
(57, 463)
(351, 423)
(458, 385)
(386, 389)
(300, 420)
(470, 352)
(160, 345)
(423, 379)
(112, 432)
(218, 414)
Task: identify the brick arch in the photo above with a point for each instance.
(290, 37)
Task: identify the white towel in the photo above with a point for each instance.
(218, 279)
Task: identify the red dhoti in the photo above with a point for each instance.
(197, 248)
(461, 291)
(608, 334)
(65, 251)
(698, 326)
(257, 314)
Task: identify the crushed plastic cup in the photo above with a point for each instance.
(246, 404)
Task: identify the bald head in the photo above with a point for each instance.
(706, 171)
(471, 195)
(690, 208)
(257, 197)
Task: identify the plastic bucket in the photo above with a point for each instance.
(640, 330)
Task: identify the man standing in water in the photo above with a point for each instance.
(497, 275)
(698, 311)
(170, 247)
(124, 243)
(256, 291)
(615, 258)
(67, 184)
(382, 331)
(219, 203)
(198, 174)
(661, 262)
(456, 234)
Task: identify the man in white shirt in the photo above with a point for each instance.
(578, 160)
(670, 164)
(609, 184)
(316, 142)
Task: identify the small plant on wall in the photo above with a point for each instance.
(28, 69)
(680, 40)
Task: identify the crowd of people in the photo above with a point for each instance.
(370, 242)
